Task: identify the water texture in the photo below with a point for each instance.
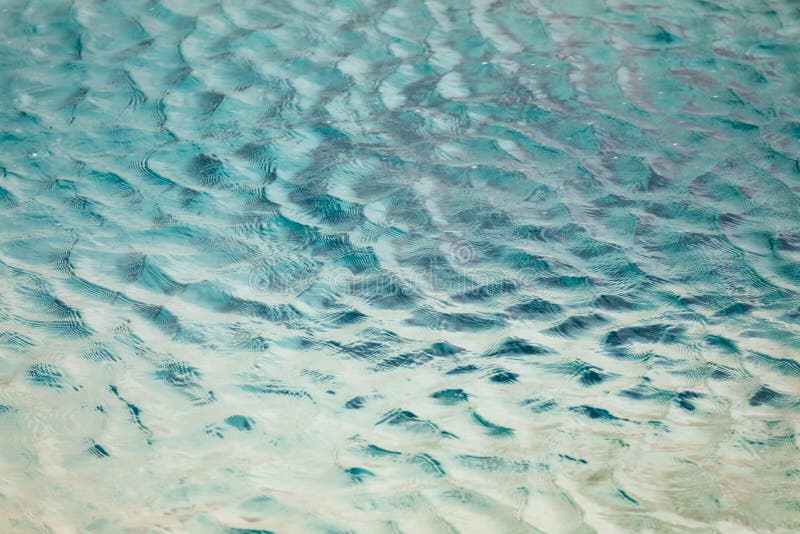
(399, 266)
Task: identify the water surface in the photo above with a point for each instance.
(399, 266)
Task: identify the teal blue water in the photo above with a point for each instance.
(399, 266)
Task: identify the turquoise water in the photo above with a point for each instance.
(399, 266)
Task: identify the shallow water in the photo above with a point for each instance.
(399, 266)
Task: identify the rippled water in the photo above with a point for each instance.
(399, 266)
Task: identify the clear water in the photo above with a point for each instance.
(399, 266)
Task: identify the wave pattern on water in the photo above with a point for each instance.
(399, 266)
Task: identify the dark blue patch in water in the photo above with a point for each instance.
(627, 497)
(359, 474)
(533, 309)
(374, 450)
(356, 403)
(684, 399)
(463, 369)
(577, 324)
(502, 376)
(178, 374)
(765, 395)
(737, 308)
(653, 333)
(722, 343)
(443, 348)
(615, 303)
(240, 422)
(98, 451)
(493, 429)
(450, 396)
(571, 459)
(46, 374)
(593, 412)
(516, 347)
(429, 464)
